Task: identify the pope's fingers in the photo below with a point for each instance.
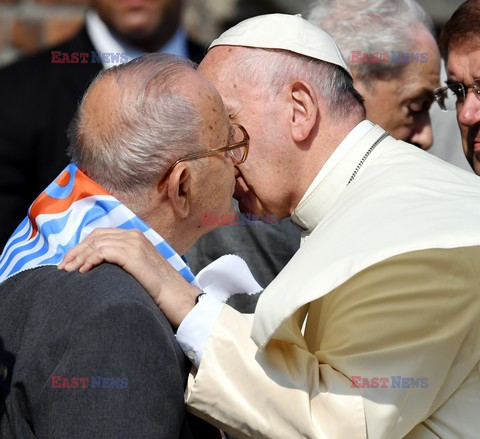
(127, 253)
(92, 260)
(79, 259)
(99, 245)
(120, 234)
(71, 255)
(98, 232)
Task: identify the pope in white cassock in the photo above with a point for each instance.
(373, 328)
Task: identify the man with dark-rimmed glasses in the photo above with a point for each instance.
(460, 47)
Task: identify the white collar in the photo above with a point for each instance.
(334, 176)
(337, 155)
(105, 42)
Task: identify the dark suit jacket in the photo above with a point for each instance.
(38, 99)
(266, 248)
(100, 325)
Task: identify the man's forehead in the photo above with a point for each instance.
(464, 63)
(218, 57)
(219, 64)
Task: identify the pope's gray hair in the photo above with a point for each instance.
(371, 26)
(150, 128)
(273, 69)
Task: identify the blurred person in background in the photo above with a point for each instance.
(394, 59)
(460, 46)
(447, 144)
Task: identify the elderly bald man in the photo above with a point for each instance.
(93, 356)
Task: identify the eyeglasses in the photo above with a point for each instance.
(237, 149)
(453, 95)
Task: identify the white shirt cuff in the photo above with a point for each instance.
(222, 278)
(196, 327)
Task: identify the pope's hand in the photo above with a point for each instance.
(130, 250)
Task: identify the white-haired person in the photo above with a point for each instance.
(391, 52)
(92, 356)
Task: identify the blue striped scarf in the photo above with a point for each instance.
(63, 215)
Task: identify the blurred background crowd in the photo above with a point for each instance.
(28, 25)
(39, 97)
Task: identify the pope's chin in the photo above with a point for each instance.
(247, 201)
(242, 197)
(476, 163)
(249, 204)
(472, 152)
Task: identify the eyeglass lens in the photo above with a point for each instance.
(237, 136)
(452, 95)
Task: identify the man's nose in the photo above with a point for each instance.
(422, 136)
(468, 114)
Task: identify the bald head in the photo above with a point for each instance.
(138, 119)
(100, 112)
(135, 119)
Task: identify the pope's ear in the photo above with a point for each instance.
(304, 110)
(179, 189)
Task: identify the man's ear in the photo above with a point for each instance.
(179, 190)
(305, 110)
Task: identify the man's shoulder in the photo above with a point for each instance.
(53, 305)
(101, 326)
(46, 287)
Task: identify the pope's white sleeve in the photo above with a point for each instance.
(224, 277)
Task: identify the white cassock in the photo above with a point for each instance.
(373, 328)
